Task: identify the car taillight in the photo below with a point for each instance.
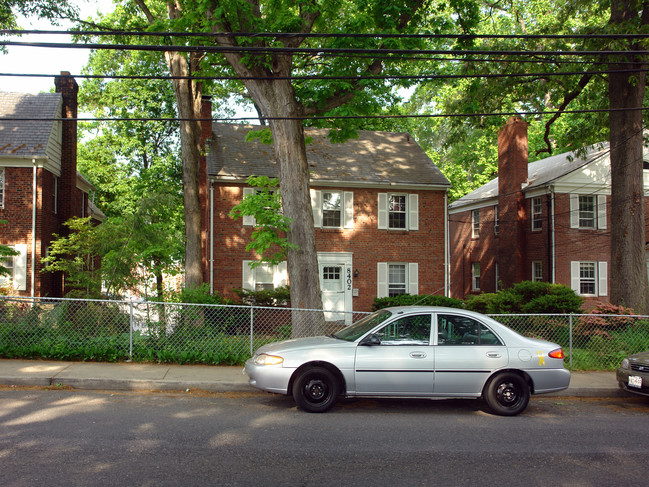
(558, 353)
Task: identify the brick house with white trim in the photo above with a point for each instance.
(379, 208)
(548, 220)
(40, 187)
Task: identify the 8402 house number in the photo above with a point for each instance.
(349, 279)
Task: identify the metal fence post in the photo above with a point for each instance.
(130, 332)
(252, 329)
(570, 337)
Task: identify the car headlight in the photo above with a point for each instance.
(265, 359)
(625, 364)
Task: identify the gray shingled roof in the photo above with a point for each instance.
(26, 138)
(374, 158)
(539, 173)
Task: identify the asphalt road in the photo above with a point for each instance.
(72, 438)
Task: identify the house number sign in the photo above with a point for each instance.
(349, 278)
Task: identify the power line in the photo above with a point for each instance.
(284, 35)
(319, 51)
(317, 77)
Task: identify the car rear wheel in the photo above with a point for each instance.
(315, 390)
(507, 394)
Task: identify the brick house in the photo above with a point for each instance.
(40, 187)
(379, 208)
(543, 221)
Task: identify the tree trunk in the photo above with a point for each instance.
(629, 284)
(186, 96)
(290, 151)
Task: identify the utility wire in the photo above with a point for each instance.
(317, 77)
(319, 50)
(281, 35)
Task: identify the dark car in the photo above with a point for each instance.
(633, 374)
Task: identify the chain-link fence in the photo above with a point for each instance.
(590, 341)
(70, 329)
(73, 329)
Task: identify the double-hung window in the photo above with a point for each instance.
(394, 278)
(397, 216)
(2, 187)
(475, 276)
(398, 211)
(331, 209)
(588, 211)
(475, 223)
(587, 215)
(537, 271)
(537, 213)
(8, 263)
(264, 276)
(17, 267)
(589, 278)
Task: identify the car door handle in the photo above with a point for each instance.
(493, 355)
(417, 354)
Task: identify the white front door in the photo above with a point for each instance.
(336, 285)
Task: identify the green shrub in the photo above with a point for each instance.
(528, 297)
(280, 296)
(416, 299)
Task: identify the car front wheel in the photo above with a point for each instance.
(315, 390)
(507, 394)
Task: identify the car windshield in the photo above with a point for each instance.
(358, 329)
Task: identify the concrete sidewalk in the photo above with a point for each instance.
(163, 377)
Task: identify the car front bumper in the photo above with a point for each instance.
(623, 375)
(271, 378)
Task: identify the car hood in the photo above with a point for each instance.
(299, 344)
(640, 357)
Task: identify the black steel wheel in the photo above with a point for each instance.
(315, 390)
(507, 394)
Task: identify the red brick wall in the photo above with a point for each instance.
(368, 244)
(18, 214)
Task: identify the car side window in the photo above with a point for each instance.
(409, 330)
(461, 330)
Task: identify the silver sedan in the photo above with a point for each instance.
(413, 352)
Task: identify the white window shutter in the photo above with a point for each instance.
(413, 278)
(316, 205)
(348, 210)
(574, 211)
(248, 220)
(413, 212)
(602, 277)
(382, 280)
(574, 276)
(20, 267)
(280, 275)
(383, 211)
(601, 211)
(248, 276)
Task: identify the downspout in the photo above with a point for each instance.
(211, 239)
(447, 270)
(551, 243)
(34, 198)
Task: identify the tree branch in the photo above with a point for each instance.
(566, 100)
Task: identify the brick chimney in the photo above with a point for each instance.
(512, 215)
(69, 200)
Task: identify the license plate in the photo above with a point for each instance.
(635, 381)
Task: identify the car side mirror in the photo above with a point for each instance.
(371, 340)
